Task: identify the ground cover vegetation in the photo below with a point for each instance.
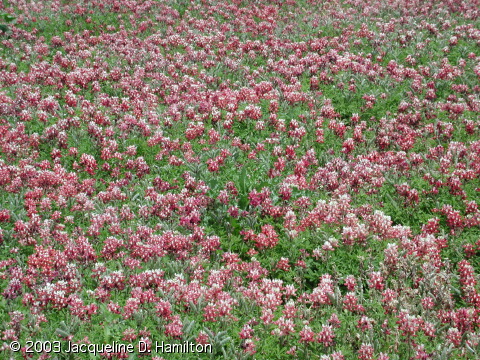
(279, 179)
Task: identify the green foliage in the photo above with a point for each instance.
(5, 19)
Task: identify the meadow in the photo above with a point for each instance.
(240, 180)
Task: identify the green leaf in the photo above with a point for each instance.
(106, 333)
(235, 226)
(8, 18)
(213, 185)
(243, 202)
(242, 180)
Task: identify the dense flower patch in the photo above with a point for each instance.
(276, 179)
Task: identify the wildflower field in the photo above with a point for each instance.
(240, 180)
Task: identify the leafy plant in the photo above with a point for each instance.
(5, 20)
